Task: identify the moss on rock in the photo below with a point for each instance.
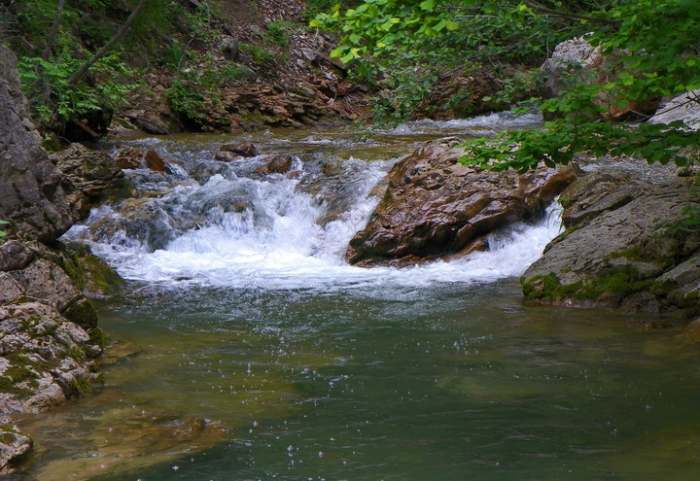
(609, 287)
(93, 276)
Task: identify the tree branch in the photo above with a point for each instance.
(83, 70)
(548, 11)
(53, 33)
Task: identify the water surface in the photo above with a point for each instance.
(245, 348)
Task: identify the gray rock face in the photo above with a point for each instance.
(31, 194)
(684, 108)
(44, 360)
(89, 176)
(45, 357)
(47, 282)
(627, 244)
(574, 58)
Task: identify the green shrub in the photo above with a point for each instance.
(258, 55)
(187, 102)
(68, 102)
(278, 32)
(234, 72)
(3, 234)
(176, 55)
(403, 91)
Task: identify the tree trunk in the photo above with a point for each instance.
(53, 33)
(83, 70)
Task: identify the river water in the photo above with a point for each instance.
(245, 348)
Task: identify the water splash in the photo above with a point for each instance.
(226, 226)
(480, 125)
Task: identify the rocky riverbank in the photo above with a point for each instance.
(631, 241)
(49, 339)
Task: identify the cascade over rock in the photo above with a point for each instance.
(435, 207)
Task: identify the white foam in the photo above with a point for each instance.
(292, 251)
(493, 121)
(252, 232)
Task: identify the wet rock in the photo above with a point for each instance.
(625, 246)
(682, 108)
(435, 207)
(226, 156)
(91, 175)
(141, 219)
(13, 447)
(278, 164)
(151, 124)
(91, 275)
(46, 281)
(32, 197)
(154, 161)
(242, 149)
(128, 158)
(14, 256)
(82, 313)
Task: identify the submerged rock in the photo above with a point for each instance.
(13, 448)
(629, 242)
(244, 149)
(277, 164)
(236, 151)
(436, 207)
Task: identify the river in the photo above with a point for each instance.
(246, 348)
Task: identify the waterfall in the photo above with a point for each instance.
(230, 228)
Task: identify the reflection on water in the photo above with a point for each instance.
(434, 384)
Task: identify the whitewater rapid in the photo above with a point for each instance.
(282, 236)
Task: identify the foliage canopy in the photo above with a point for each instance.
(651, 49)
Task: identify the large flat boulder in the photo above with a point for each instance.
(436, 207)
(631, 241)
(682, 108)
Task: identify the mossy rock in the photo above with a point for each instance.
(610, 287)
(93, 276)
(82, 313)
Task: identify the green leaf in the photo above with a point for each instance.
(428, 5)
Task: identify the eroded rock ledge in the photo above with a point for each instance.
(630, 242)
(48, 328)
(435, 207)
